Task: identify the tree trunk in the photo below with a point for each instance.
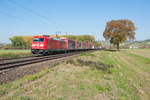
(118, 47)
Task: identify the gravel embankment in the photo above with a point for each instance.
(14, 74)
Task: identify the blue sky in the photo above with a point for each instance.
(37, 17)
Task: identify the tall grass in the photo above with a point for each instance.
(14, 53)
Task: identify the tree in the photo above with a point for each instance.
(17, 42)
(118, 31)
(28, 41)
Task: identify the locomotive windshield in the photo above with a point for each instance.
(38, 40)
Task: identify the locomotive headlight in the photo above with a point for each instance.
(33, 45)
(41, 45)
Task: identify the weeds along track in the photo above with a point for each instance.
(13, 63)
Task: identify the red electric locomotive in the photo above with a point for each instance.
(47, 45)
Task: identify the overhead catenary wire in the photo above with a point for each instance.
(12, 16)
(27, 9)
(45, 19)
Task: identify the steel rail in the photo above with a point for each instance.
(22, 62)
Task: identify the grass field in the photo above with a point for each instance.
(14, 53)
(102, 75)
(141, 52)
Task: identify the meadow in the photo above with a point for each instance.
(14, 53)
(101, 75)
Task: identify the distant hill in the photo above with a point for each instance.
(140, 44)
(148, 40)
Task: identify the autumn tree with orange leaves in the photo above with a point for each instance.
(118, 31)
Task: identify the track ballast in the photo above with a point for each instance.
(13, 63)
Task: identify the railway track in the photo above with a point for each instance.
(13, 63)
(4, 59)
(14, 69)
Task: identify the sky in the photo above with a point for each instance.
(71, 17)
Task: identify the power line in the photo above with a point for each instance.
(13, 16)
(28, 9)
(33, 12)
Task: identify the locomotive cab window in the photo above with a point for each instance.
(38, 40)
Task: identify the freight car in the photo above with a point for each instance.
(47, 45)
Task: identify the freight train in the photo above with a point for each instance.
(46, 45)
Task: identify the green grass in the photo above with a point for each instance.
(14, 53)
(99, 88)
(88, 54)
(95, 76)
(21, 98)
